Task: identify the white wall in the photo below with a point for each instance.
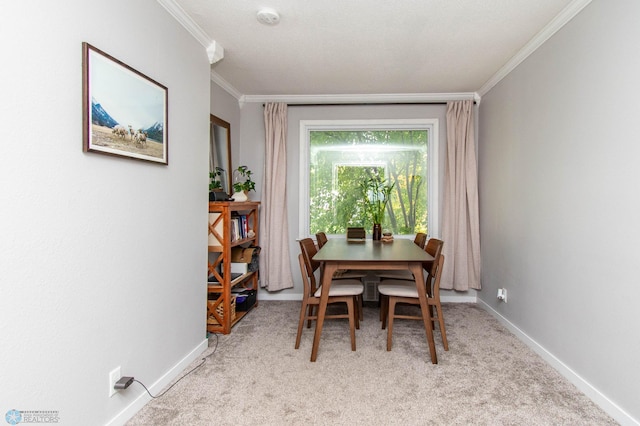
(558, 164)
(252, 153)
(102, 258)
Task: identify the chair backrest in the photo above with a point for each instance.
(306, 278)
(437, 270)
(420, 240)
(308, 250)
(434, 248)
(321, 237)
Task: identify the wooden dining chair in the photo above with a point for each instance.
(321, 238)
(434, 248)
(405, 292)
(344, 274)
(341, 291)
(340, 274)
(420, 240)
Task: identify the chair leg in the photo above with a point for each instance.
(352, 322)
(311, 309)
(391, 312)
(301, 324)
(443, 332)
(433, 325)
(358, 311)
(384, 310)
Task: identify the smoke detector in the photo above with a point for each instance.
(268, 16)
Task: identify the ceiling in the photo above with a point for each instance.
(369, 47)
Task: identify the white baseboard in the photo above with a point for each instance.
(458, 299)
(266, 295)
(594, 394)
(139, 402)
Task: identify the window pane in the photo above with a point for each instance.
(340, 160)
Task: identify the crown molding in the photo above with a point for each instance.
(226, 86)
(400, 98)
(185, 20)
(545, 34)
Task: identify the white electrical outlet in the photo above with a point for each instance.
(114, 376)
(502, 294)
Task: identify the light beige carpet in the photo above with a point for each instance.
(256, 377)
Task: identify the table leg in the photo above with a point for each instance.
(329, 269)
(424, 308)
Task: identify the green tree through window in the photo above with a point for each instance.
(340, 160)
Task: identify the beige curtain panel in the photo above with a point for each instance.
(461, 224)
(275, 268)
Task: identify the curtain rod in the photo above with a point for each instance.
(370, 103)
(367, 104)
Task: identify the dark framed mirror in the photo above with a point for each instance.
(220, 150)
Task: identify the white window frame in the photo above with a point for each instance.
(429, 124)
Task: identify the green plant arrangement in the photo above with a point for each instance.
(214, 179)
(242, 180)
(376, 193)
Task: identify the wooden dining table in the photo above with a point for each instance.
(402, 254)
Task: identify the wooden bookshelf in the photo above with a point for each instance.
(230, 223)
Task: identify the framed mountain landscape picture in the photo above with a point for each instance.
(124, 111)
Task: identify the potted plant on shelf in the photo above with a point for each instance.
(216, 191)
(376, 193)
(242, 183)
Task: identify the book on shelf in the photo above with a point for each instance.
(244, 226)
(234, 230)
(239, 227)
